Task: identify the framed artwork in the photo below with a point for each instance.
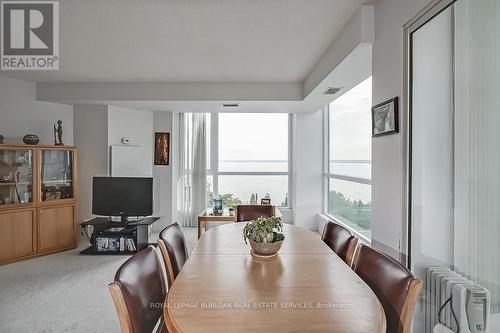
(385, 118)
(218, 207)
(162, 148)
(265, 201)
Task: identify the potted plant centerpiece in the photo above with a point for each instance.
(264, 235)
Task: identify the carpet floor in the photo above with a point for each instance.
(63, 292)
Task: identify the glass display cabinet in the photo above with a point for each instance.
(56, 175)
(16, 176)
(37, 200)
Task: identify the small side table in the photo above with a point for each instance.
(207, 216)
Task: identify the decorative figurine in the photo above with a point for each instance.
(1, 139)
(254, 199)
(58, 133)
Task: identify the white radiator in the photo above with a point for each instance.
(469, 301)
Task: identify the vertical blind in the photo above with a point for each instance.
(477, 143)
(455, 137)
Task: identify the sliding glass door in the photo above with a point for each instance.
(454, 163)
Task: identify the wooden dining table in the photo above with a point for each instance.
(305, 288)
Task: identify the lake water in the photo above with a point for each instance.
(277, 185)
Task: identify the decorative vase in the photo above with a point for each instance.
(265, 249)
(31, 139)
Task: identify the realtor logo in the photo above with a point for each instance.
(30, 35)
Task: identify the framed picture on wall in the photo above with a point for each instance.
(162, 148)
(385, 118)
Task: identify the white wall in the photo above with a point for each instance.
(91, 138)
(137, 125)
(307, 168)
(387, 151)
(97, 127)
(164, 175)
(21, 114)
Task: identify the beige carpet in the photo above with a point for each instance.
(63, 292)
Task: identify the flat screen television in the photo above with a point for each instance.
(122, 196)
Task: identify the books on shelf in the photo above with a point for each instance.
(131, 244)
(115, 244)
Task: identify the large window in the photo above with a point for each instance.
(249, 156)
(348, 155)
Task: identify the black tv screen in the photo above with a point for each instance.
(122, 196)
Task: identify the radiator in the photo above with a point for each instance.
(470, 302)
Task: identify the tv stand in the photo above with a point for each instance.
(123, 219)
(104, 228)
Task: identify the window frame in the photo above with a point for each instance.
(327, 175)
(214, 160)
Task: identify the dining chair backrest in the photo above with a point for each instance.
(138, 293)
(340, 240)
(395, 286)
(252, 212)
(174, 250)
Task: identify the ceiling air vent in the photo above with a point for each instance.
(230, 105)
(331, 91)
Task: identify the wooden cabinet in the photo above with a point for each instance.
(55, 228)
(37, 200)
(16, 234)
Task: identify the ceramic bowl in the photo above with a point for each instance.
(31, 139)
(266, 249)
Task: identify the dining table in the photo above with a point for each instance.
(305, 288)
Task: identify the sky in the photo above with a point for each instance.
(350, 124)
(253, 136)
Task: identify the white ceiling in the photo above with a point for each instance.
(209, 97)
(193, 41)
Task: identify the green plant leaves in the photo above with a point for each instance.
(262, 230)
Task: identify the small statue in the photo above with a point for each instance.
(58, 133)
(254, 199)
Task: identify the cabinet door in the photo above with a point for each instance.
(16, 234)
(56, 173)
(16, 177)
(55, 228)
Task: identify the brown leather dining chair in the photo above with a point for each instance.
(340, 240)
(174, 250)
(395, 286)
(139, 291)
(252, 212)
